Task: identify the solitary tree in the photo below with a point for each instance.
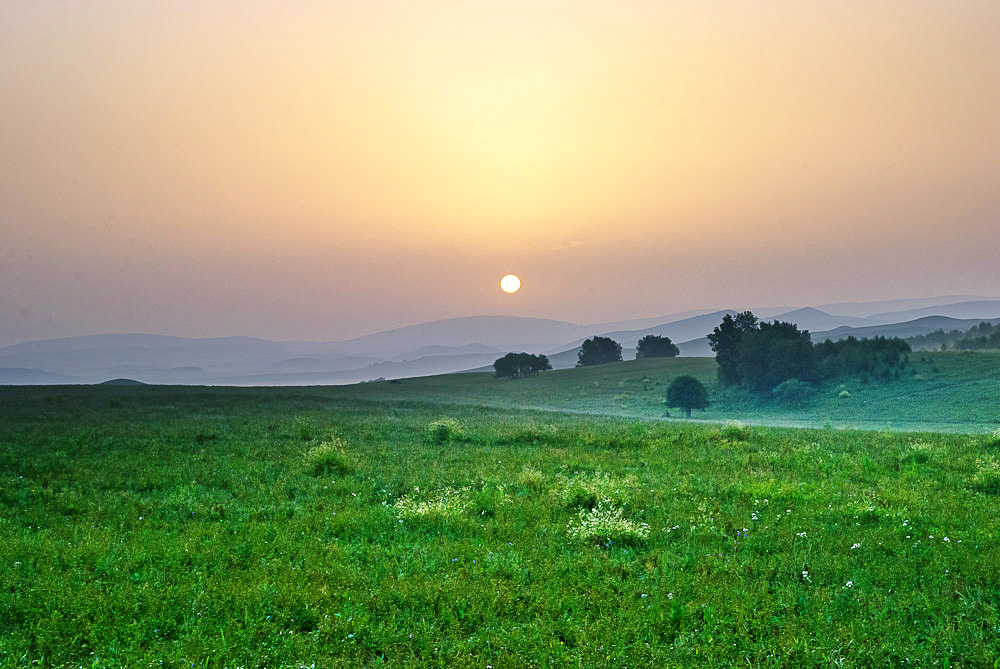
(654, 346)
(599, 350)
(519, 365)
(686, 392)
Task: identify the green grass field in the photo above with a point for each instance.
(443, 523)
(944, 392)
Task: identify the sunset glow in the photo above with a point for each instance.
(195, 169)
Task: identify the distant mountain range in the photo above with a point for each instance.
(438, 347)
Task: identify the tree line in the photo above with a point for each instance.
(977, 338)
(761, 356)
(594, 351)
(981, 337)
(520, 365)
(769, 359)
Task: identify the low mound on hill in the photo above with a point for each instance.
(121, 382)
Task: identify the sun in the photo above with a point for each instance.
(510, 284)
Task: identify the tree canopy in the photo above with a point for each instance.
(762, 356)
(775, 352)
(686, 392)
(599, 350)
(725, 340)
(879, 357)
(519, 365)
(655, 346)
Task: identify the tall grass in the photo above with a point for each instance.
(191, 526)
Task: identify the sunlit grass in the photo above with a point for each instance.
(192, 526)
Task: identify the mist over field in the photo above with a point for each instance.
(479, 334)
(453, 345)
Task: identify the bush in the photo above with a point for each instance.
(605, 525)
(793, 392)
(487, 501)
(303, 428)
(588, 492)
(531, 434)
(531, 478)
(916, 454)
(736, 431)
(444, 503)
(987, 476)
(331, 457)
(443, 430)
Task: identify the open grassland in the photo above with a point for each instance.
(945, 392)
(293, 527)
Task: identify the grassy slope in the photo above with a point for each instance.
(945, 392)
(187, 526)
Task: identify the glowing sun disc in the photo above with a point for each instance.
(510, 284)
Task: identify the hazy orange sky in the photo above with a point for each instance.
(320, 170)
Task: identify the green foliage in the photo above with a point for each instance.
(586, 491)
(304, 428)
(762, 356)
(179, 525)
(686, 392)
(987, 475)
(443, 430)
(654, 346)
(331, 457)
(793, 392)
(605, 525)
(440, 504)
(984, 336)
(725, 341)
(736, 431)
(531, 478)
(774, 353)
(880, 357)
(520, 365)
(599, 351)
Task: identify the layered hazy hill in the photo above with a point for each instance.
(438, 347)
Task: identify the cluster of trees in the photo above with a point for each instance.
(759, 355)
(519, 365)
(982, 336)
(880, 357)
(655, 346)
(764, 357)
(598, 351)
(685, 392)
(979, 337)
(594, 351)
(939, 340)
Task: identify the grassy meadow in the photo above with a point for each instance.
(463, 521)
(942, 392)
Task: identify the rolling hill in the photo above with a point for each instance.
(979, 310)
(438, 347)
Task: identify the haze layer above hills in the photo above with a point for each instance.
(438, 347)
